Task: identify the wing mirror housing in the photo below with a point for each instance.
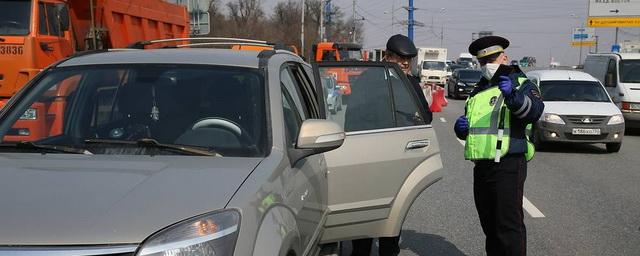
(317, 136)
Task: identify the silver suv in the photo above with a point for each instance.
(208, 152)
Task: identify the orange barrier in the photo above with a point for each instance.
(436, 105)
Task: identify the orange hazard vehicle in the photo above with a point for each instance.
(37, 33)
(329, 51)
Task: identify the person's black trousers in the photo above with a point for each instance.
(389, 246)
(498, 190)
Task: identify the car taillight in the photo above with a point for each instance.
(626, 105)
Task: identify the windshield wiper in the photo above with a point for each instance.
(151, 143)
(44, 147)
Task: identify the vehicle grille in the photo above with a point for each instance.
(586, 119)
(434, 77)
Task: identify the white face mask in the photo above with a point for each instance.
(489, 69)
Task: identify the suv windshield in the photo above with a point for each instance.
(573, 91)
(221, 109)
(350, 54)
(630, 71)
(471, 75)
(433, 65)
(14, 17)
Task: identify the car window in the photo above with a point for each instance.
(367, 97)
(630, 71)
(473, 75)
(292, 117)
(573, 91)
(405, 105)
(15, 17)
(293, 88)
(219, 108)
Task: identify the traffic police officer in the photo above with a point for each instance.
(400, 50)
(497, 116)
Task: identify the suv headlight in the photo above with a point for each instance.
(209, 234)
(461, 84)
(552, 118)
(616, 119)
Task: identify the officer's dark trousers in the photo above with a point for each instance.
(388, 246)
(497, 191)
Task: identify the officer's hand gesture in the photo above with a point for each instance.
(505, 86)
(462, 125)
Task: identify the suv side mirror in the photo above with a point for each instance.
(609, 81)
(317, 136)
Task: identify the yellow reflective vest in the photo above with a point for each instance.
(489, 122)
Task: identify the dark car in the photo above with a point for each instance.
(462, 82)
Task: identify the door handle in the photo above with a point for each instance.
(416, 144)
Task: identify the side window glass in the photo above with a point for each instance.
(292, 118)
(42, 19)
(52, 20)
(405, 103)
(610, 79)
(306, 90)
(292, 88)
(369, 105)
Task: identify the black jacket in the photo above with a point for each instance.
(424, 105)
(525, 106)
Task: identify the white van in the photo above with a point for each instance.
(620, 74)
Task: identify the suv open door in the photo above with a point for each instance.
(390, 154)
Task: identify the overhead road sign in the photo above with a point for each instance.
(613, 21)
(583, 37)
(588, 43)
(614, 13)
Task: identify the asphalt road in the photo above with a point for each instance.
(590, 201)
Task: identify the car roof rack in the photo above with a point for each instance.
(205, 40)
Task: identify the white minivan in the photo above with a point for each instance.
(620, 74)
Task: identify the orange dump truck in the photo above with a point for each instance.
(37, 33)
(328, 51)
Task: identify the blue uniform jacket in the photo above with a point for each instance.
(525, 105)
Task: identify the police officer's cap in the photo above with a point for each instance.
(402, 46)
(488, 45)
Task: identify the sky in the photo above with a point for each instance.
(539, 28)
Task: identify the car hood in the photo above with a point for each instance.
(581, 108)
(60, 199)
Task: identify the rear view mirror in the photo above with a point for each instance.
(200, 23)
(319, 134)
(316, 136)
(609, 82)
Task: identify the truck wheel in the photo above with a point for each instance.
(613, 147)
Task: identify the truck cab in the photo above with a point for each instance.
(430, 65)
(33, 34)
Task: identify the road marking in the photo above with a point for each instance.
(531, 209)
(443, 120)
(461, 141)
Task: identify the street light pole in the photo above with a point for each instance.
(302, 30)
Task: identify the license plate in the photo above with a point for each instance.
(634, 106)
(582, 131)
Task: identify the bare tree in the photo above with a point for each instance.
(248, 18)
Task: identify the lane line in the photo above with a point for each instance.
(531, 209)
(443, 120)
(526, 204)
